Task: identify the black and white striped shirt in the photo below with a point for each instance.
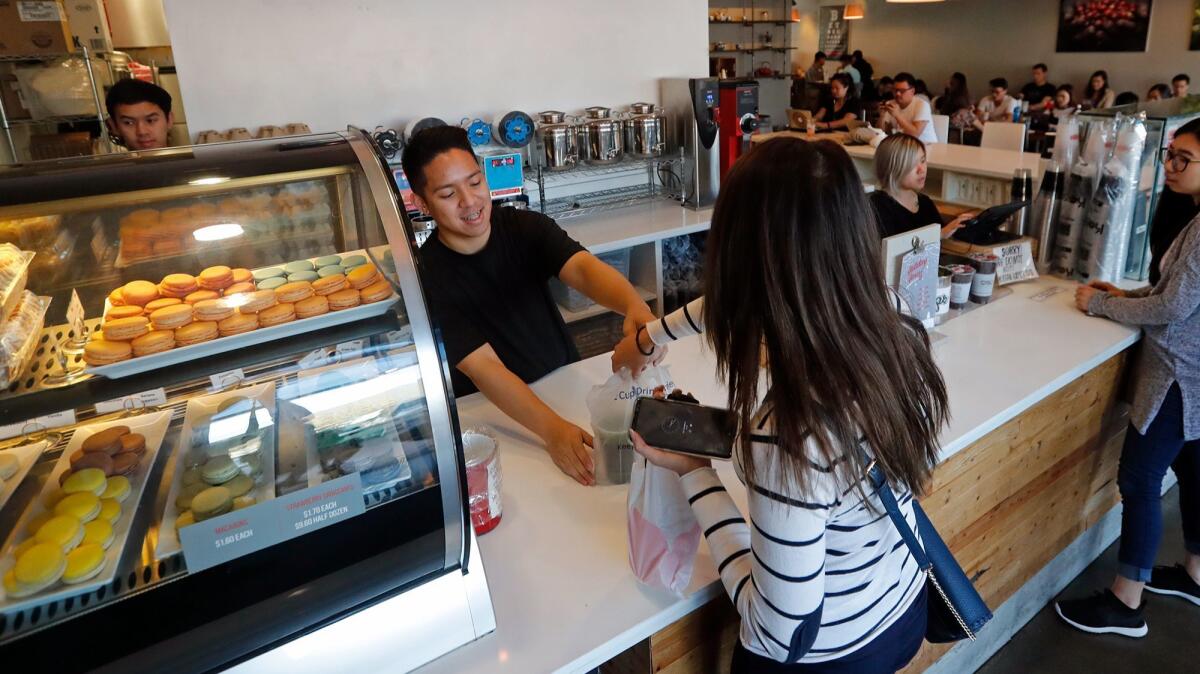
(814, 577)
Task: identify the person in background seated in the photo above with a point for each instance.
(139, 114)
(816, 72)
(1126, 98)
(883, 88)
(1158, 92)
(906, 113)
(923, 92)
(1097, 94)
(955, 103)
(1180, 84)
(485, 272)
(1064, 100)
(841, 107)
(900, 172)
(867, 71)
(822, 581)
(1039, 92)
(999, 107)
(1164, 427)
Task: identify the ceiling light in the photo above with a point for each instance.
(218, 232)
(853, 11)
(216, 180)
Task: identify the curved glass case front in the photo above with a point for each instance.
(220, 390)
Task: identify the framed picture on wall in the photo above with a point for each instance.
(1103, 25)
(1195, 25)
(834, 35)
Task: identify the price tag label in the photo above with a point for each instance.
(38, 10)
(229, 536)
(317, 507)
(349, 350)
(75, 313)
(99, 242)
(315, 358)
(152, 398)
(42, 423)
(227, 379)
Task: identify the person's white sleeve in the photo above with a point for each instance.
(686, 321)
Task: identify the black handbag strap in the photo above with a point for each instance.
(879, 481)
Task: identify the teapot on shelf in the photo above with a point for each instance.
(765, 70)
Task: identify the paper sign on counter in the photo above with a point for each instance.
(350, 350)
(152, 398)
(228, 379)
(315, 358)
(75, 313)
(42, 423)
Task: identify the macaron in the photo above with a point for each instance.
(298, 266)
(327, 260)
(264, 274)
(133, 442)
(98, 532)
(330, 284)
(211, 502)
(195, 333)
(86, 481)
(65, 531)
(243, 287)
(201, 295)
(244, 502)
(303, 276)
(241, 275)
(361, 277)
(40, 567)
(216, 278)
(377, 291)
(280, 313)
(155, 341)
(178, 285)
(83, 506)
(116, 488)
(237, 324)
(28, 542)
(219, 470)
(162, 302)
(110, 510)
(125, 463)
(183, 500)
(116, 298)
(125, 329)
(331, 270)
(240, 485)
(83, 563)
(271, 283)
(107, 440)
(185, 519)
(9, 465)
(294, 291)
(353, 260)
(257, 301)
(312, 306)
(100, 352)
(212, 310)
(139, 293)
(124, 311)
(82, 460)
(343, 299)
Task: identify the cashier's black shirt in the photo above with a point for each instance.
(893, 218)
(499, 296)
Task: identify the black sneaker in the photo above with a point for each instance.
(1174, 581)
(1103, 613)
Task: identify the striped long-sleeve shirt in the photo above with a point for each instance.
(814, 577)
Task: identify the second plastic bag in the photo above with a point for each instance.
(611, 407)
(664, 534)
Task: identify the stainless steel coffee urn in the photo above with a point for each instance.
(691, 106)
(557, 140)
(601, 137)
(645, 131)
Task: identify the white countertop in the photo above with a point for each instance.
(634, 225)
(557, 565)
(968, 159)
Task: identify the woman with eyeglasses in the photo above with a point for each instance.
(841, 107)
(1165, 422)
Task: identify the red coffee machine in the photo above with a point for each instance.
(738, 118)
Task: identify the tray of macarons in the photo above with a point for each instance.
(226, 460)
(15, 463)
(148, 325)
(69, 541)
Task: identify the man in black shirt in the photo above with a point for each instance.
(1037, 91)
(485, 274)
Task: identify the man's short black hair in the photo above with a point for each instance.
(1181, 77)
(1040, 66)
(424, 147)
(885, 80)
(998, 83)
(1125, 98)
(820, 56)
(858, 53)
(846, 58)
(906, 78)
(132, 92)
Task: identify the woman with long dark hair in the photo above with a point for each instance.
(841, 107)
(1097, 94)
(826, 377)
(955, 103)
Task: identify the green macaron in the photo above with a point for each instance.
(272, 272)
(331, 270)
(273, 282)
(351, 261)
(327, 261)
(298, 266)
(303, 276)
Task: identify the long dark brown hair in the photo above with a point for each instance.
(796, 306)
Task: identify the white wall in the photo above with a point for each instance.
(1003, 38)
(369, 62)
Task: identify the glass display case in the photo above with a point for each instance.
(225, 419)
(1163, 118)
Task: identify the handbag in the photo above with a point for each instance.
(961, 613)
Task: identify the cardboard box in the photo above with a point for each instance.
(33, 28)
(10, 94)
(89, 24)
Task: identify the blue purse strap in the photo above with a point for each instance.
(893, 510)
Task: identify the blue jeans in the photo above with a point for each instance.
(1144, 462)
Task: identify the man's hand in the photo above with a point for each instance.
(627, 354)
(571, 449)
(636, 316)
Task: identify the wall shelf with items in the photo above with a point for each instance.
(764, 27)
(9, 120)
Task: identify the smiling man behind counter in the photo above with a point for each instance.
(485, 274)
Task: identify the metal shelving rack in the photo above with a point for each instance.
(7, 124)
(602, 199)
(752, 9)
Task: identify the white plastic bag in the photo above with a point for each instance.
(663, 532)
(611, 407)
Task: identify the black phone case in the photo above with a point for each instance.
(719, 444)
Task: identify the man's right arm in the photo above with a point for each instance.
(568, 445)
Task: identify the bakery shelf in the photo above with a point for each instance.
(61, 119)
(599, 309)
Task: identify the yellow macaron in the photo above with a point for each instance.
(88, 480)
(40, 567)
(110, 510)
(83, 506)
(117, 488)
(99, 532)
(83, 562)
(64, 531)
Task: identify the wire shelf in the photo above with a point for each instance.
(626, 165)
(61, 119)
(600, 200)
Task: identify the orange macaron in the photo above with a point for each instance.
(194, 333)
(212, 310)
(124, 329)
(312, 306)
(294, 291)
(330, 284)
(362, 276)
(123, 311)
(257, 301)
(241, 275)
(155, 341)
(376, 292)
(178, 285)
(115, 298)
(139, 293)
(174, 316)
(343, 299)
(103, 352)
(237, 324)
(284, 312)
(216, 278)
(162, 302)
(240, 287)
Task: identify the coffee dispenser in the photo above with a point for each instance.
(738, 119)
(691, 106)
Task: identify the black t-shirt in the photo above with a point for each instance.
(1035, 94)
(850, 104)
(499, 296)
(1173, 212)
(893, 218)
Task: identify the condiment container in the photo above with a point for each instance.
(984, 282)
(942, 299)
(961, 279)
(483, 479)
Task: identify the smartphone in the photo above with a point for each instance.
(684, 427)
